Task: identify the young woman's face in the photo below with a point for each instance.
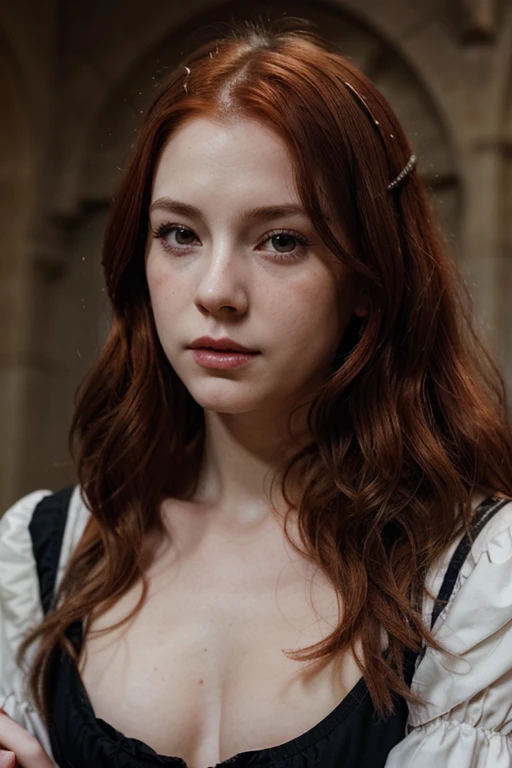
(223, 265)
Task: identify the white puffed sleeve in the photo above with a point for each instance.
(20, 609)
(466, 718)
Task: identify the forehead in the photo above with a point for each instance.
(232, 160)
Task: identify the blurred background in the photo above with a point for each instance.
(75, 79)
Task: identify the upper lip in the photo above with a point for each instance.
(223, 344)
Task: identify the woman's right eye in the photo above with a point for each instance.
(183, 236)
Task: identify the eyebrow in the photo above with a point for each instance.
(265, 213)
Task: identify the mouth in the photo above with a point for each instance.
(224, 345)
(213, 357)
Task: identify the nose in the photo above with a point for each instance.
(222, 284)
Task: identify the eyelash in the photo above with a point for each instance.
(297, 253)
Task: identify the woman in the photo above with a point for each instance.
(293, 454)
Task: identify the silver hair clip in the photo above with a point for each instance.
(185, 83)
(411, 163)
(406, 170)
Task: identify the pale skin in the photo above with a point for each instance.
(22, 749)
(233, 275)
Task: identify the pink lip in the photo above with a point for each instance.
(223, 345)
(214, 358)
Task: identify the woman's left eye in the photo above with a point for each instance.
(281, 239)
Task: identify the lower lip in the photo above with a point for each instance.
(208, 358)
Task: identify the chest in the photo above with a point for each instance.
(200, 672)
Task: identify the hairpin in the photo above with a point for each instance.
(364, 103)
(411, 163)
(185, 83)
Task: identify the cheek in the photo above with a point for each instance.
(165, 303)
(156, 274)
(309, 308)
(162, 287)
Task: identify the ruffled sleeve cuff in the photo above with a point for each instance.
(465, 720)
(451, 744)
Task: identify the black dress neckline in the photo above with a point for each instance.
(136, 748)
(352, 735)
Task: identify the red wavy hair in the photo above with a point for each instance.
(410, 422)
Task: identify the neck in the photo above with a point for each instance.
(242, 453)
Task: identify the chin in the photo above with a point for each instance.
(222, 396)
(228, 405)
